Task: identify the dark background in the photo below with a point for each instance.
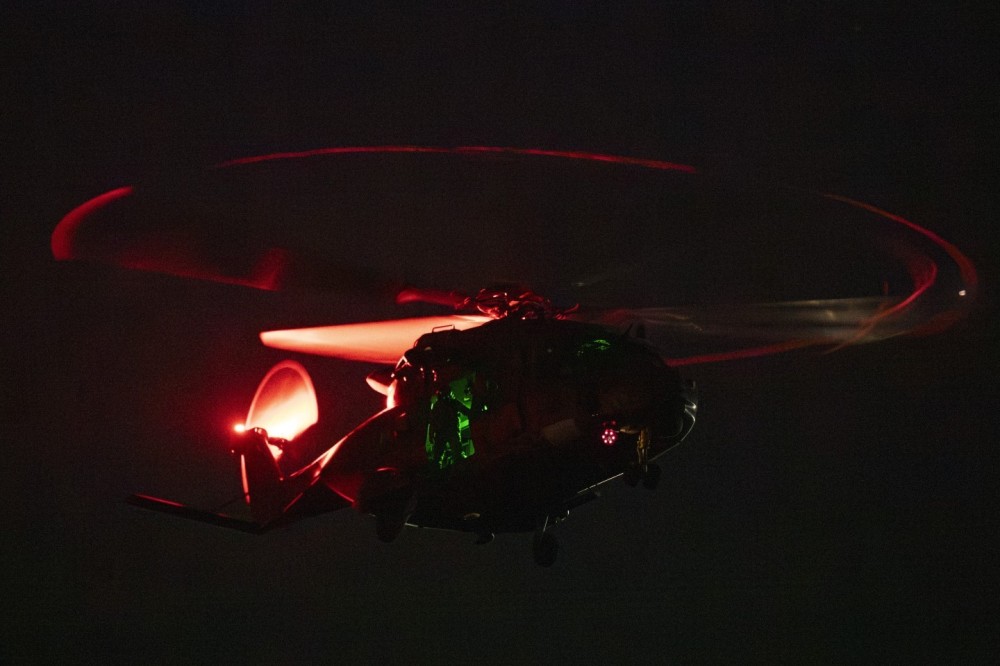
(832, 508)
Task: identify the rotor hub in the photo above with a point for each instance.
(500, 302)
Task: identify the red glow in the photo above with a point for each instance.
(285, 403)
(265, 274)
(390, 396)
(245, 480)
(609, 437)
(923, 272)
(965, 265)
(372, 342)
(239, 428)
(576, 155)
(336, 150)
(158, 500)
(384, 347)
(739, 354)
(565, 154)
(154, 255)
(62, 236)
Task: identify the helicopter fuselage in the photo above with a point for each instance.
(496, 427)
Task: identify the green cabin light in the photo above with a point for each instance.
(448, 437)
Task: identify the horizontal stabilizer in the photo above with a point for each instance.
(184, 511)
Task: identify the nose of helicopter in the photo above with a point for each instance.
(641, 391)
(675, 408)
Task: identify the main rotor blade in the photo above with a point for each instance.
(702, 334)
(139, 229)
(414, 294)
(372, 342)
(834, 320)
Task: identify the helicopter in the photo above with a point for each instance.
(502, 421)
(505, 413)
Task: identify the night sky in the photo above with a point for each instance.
(827, 507)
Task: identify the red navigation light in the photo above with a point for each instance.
(609, 436)
(239, 428)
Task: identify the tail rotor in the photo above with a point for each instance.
(283, 408)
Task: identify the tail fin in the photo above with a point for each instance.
(270, 444)
(262, 478)
(282, 409)
(264, 489)
(193, 513)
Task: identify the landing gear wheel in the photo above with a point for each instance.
(642, 469)
(387, 527)
(391, 515)
(545, 549)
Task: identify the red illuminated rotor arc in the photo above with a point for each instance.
(384, 342)
(270, 269)
(66, 230)
(285, 403)
(537, 152)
